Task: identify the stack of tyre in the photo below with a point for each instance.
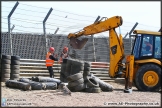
(102, 85)
(92, 86)
(15, 67)
(64, 73)
(76, 82)
(87, 69)
(5, 67)
(75, 79)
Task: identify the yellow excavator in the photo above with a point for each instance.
(142, 66)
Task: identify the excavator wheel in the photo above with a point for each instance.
(148, 78)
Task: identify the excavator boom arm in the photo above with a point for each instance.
(115, 41)
(98, 27)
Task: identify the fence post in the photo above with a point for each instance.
(94, 54)
(9, 29)
(131, 33)
(160, 29)
(56, 30)
(44, 28)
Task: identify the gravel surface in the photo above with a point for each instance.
(104, 99)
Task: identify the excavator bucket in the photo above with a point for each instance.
(78, 44)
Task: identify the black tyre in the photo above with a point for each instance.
(68, 67)
(87, 66)
(15, 62)
(76, 82)
(74, 77)
(50, 85)
(13, 76)
(15, 58)
(85, 73)
(93, 90)
(5, 71)
(6, 57)
(63, 67)
(6, 61)
(25, 80)
(103, 85)
(13, 67)
(18, 85)
(61, 78)
(77, 88)
(4, 79)
(5, 75)
(6, 66)
(148, 72)
(46, 79)
(92, 82)
(15, 71)
(35, 85)
(77, 66)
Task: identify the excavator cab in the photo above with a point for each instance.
(147, 60)
(147, 45)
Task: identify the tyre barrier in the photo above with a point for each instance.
(74, 77)
(92, 82)
(77, 88)
(77, 67)
(5, 67)
(50, 85)
(38, 85)
(46, 79)
(18, 85)
(93, 90)
(76, 82)
(34, 85)
(62, 75)
(103, 85)
(15, 67)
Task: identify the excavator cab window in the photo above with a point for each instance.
(157, 52)
(147, 46)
